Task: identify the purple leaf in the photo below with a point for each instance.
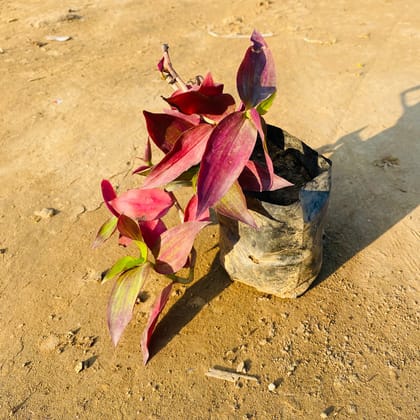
(141, 169)
(209, 87)
(165, 129)
(233, 205)
(256, 78)
(255, 177)
(206, 99)
(147, 152)
(193, 102)
(144, 204)
(228, 149)
(187, 152)
(151, 232)
(175, 246)
(123, 298)
(193, 119)
(260, 124)
(156, 310)
(129, 228)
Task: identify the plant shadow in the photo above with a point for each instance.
(375, 184)
(189, 305)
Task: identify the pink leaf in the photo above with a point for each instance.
(228, 149)
(255, 177)
(233, 205)
(161, 65)
(187, 152)
(157, 308)
(175, 246)
(165, 129)
(123, 298)
(108, 194)
(190, 213)
(151, 232)
(256, 78)
(144, 204)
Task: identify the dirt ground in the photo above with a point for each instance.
(348, 83)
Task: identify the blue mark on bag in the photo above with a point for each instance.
(312, 203)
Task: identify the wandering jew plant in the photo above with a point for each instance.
(207, 140)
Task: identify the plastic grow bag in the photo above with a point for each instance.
(284, 255)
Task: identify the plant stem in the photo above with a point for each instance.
(172, 77)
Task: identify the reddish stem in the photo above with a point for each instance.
(172, 77)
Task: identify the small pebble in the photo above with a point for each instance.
(327, 412)
(44, 213)
(93, 276)
(393, 373)
(272, 387)
(352, 409)
(241, 368)
(79, 367)
(62, 38)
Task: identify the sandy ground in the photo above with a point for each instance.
(349, 83)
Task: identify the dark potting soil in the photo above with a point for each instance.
(292, 160)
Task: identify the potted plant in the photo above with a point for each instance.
(268, 189)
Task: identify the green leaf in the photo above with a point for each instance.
(122, 300)
(142, 248)
(265, 105)
(184, 180)
(105, 231)
(194, 182)
(123, 264)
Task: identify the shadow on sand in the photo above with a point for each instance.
(184, 310)
(375, 184)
